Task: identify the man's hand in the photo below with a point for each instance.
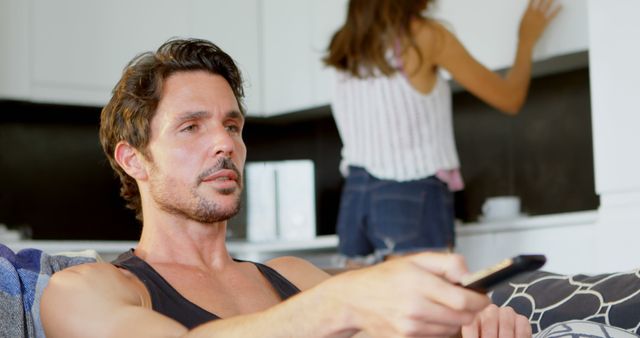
(498, 322)
(411, 296)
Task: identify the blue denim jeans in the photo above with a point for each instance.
(382, 217)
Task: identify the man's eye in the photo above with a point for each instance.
(190, 128)
(233, 128)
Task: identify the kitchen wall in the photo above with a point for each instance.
(614, 73)
(54, 178)
(544, 154)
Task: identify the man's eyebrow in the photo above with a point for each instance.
(234, 114)
(196, 115)
(192, 116)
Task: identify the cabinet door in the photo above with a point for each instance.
(287, 58)
(489, 29)
(474, 249)
(234, 27)
(614, 73)
(14, 49)
(81, 46)
(327, 17)
(295, 36)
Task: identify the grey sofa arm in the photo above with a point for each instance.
(548, 298)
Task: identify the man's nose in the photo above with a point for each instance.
(222, 142)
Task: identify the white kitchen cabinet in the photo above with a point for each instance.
(568, 240)
(80, 47)
(279, 45)
(295, 36)
(327, 17)
(489, 29)
(73, 51)
(614, 74)
(14, 50)
(235, 27)
(287, 58)
(79, 54)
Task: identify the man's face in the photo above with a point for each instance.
(196, 147)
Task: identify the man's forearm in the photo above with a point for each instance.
(312, 313)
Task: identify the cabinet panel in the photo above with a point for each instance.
(295, 37)
(568, 249)
(614, 88)
(73, 51)
(489, 29)
(234, 26)
(14, 49)
(568, 33)
(476, 250)
(287, 57)
(327, 17)
(82, 45)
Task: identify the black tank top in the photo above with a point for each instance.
(167, 301)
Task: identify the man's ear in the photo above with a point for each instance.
(130, 160)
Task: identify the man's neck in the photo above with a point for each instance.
(170, 239)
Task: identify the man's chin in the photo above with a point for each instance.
(226, 206)
(220, 214)
(228, 191)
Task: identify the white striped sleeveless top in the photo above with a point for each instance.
(392, 130)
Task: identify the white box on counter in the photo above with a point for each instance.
(280, 200)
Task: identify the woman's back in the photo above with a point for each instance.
(393, 130)
(418, 63)
(398, 125)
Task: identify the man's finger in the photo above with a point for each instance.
(450, 266)
(523, 327)
(507, 326)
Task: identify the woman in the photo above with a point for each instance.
(393, 111)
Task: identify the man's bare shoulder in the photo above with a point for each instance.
(88, 270)
(95, 280)
(298, 271)
(90, 298)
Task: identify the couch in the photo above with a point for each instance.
(548, 298)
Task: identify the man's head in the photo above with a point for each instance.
(127, 121)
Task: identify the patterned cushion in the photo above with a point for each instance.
(23, 277)
(583, 329)
(547, 298)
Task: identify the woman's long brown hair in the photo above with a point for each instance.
(372, 27)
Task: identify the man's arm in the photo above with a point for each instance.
(97, 300)
(298, 271)
(410, 296)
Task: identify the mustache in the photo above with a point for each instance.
(223, 163)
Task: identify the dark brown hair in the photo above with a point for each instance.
(127, 116)
(371, 28)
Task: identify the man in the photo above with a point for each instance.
(173, 133)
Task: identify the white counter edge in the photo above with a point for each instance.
(114, 247)
(578, 218)
(320, 243)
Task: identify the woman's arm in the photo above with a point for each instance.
(506, 93)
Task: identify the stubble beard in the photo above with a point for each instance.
(195, 207)
(198, 208)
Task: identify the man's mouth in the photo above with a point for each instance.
(222, 176)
